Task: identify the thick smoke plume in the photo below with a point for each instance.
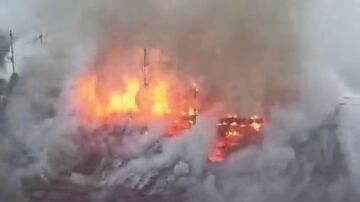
(247, 54)
(249, 43)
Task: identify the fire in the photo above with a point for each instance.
(219, 153)
(126, 102)
(85, 87)
(160, 99)
(96, 102)
(256, 126)
(234, 133)
(99, 102)
(185, 122)
(106, 95)
(110, 89)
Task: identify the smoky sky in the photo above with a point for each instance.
(4, 47)
(245, 43)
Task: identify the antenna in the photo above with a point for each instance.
(12, 58)
(145, 68)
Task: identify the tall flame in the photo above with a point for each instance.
(96, 102)
(99, 102)
(126, 102)
(160, 99)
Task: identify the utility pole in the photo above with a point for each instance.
(195, 91)
(12, 58)
(195, 108)
(14, 76)
(145, 68)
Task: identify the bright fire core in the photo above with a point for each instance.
(100, 103)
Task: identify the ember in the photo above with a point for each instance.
(187, 120)
(235, 133)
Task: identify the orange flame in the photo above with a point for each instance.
(99, 102)
(127, 101)
(160, 99)
(96, 102)
(104, 94)
(256, 126)
(234, 135)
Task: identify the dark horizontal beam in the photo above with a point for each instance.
(350, 104)
(350, 98)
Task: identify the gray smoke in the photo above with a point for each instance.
(247, 54)
(332, 36)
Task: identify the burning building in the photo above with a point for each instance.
(102, 100)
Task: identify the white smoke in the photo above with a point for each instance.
(332, 35)
(237, 47)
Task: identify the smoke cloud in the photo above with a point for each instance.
(248, 55)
